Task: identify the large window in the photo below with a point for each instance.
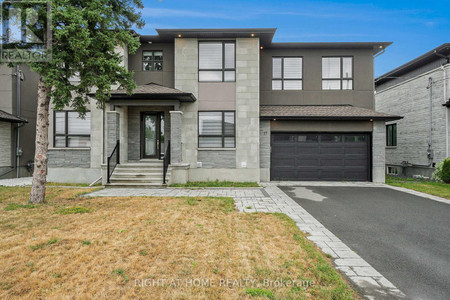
(287, 73)
(391, 135)
(337, 73)
(152, 60)
(217, 61)
(216, 129)
(72, 131)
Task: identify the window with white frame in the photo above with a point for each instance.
(287, 73)
(71, 131)
(217, 61)
(337, 73)
(216, 129)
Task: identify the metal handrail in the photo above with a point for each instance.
(116, 151)
(166, 161)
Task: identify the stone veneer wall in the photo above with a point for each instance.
(69, 158)
(411, 99)
(217, 159)
(5, 144)
(378, 151)
(264, 149)
(112, 131)
(247, 103)
(186, 79)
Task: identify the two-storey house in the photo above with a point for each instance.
(229, 104)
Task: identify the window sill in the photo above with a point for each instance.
(216, 149)
(391, 147)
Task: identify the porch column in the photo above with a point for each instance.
(112, 131)
(123, 133)
(176, 155)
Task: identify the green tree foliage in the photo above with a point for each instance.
(85, 38)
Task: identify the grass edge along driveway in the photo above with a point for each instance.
(101, 247)
(439, 189)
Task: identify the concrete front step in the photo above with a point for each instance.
(140, 165)
(136, 185)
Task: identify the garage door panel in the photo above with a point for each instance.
(332, 162)
(355, 162)
(331, 157)
(307, 162)
(332, 150)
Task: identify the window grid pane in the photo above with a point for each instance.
(276, 68)
(347, 67)
(229, 56)
(331, 84)
(292, 84)
(276, 84)
(331, 67)
(60, 122)
(210, 56)
(77, 125)
(292, 68)
(210, 76)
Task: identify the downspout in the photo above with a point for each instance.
(430, 143)
(444, 75)
(18, 151)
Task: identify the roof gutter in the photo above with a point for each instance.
(322, 118)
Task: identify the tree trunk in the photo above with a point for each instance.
(37, 194)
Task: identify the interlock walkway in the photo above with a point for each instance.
(269, 199)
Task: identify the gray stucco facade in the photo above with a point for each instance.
(419, 97)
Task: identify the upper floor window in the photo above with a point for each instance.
(152, 60)
(337, 73)
(217, 61)
(216, 129)
(287, 73)
(71, 131)
(391, 135)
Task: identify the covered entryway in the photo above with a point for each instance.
(320, 156)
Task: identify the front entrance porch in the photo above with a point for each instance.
(139, 132)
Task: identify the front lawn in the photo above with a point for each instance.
(430, 187)
(204, 184)
(155, 248)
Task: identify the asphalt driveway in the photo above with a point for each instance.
(403, 236)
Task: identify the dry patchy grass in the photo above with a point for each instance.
(100, 252)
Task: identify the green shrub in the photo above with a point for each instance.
(445, 173)
(437, 174)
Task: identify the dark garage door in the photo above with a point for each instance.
(328, 157)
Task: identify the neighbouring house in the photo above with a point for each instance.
(419, 91)
(18, 100)
(229, 104)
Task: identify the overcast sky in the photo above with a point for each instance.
(415, 27)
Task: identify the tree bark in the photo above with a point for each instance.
(37, 194)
